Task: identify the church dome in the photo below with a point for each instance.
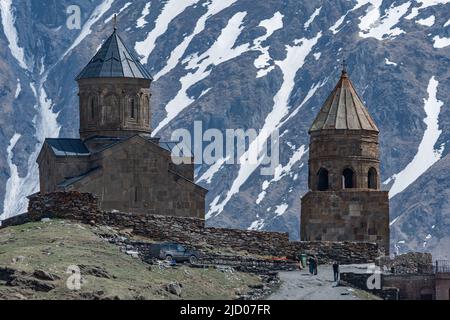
(114, 60)
(344, 110)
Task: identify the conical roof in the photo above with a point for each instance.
(344, 110)
(114, 60)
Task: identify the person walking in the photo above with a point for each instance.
(311, 264)
(336, 271)
(316, 265)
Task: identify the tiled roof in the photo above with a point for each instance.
(114, 60)
(344, 109)
(68, 147)
(72, 180)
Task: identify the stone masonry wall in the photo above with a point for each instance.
(359, 281)
(136, 176)
(192, 231)
(409, 263)
(346, 216)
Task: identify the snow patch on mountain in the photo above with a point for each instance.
(427, 22)
(372, 26)
(440, 43)
(372, 14)
(447, 23)
(294, 61)
(262, 63)
(257, 225)
(46, 124)
(427, 155)
(221, 51)
(18, 89)
(423, 5)
(13, 182)
(390, 63)
(141, 22)
(281, 209)
(212, 170)
(312, 18)
(281, 172)
(213, 8)
(86, 30)
(393, 221)
(8, 22)
(335, 27)
(171, 10)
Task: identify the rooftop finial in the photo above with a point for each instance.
(115, 22)
(344, 66)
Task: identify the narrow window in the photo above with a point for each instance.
(348, 179)
(372, 179)
(133, 109)
(110, 109)
(92, 109)
(322, 181)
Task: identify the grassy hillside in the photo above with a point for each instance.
(34, 260)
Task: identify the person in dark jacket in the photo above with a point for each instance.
(311, 264)
(336, 271)
(316, 265)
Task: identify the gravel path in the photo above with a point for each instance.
(300, 285)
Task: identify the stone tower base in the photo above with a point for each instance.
(361, 216)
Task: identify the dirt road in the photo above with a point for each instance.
(300, 285)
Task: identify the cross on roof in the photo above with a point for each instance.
(344, 66)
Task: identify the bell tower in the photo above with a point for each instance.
(114, 92)
(345, 201)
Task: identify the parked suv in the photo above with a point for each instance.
(174, 251)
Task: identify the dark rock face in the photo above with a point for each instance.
(422, 221)
(303, 54)
(95, 271)
(46, 276)
(38, 281)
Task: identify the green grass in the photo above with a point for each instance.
(55, 245)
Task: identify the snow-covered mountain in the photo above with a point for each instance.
(267, 65)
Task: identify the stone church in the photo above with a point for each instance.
(345, 201)
(116, 158)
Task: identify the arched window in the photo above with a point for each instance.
(372, 179)
(92, 108)
(322, 179)
(133, 108)
(145, 104)
(348, 179)
(110, 109)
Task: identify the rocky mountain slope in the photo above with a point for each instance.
(267, 65)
